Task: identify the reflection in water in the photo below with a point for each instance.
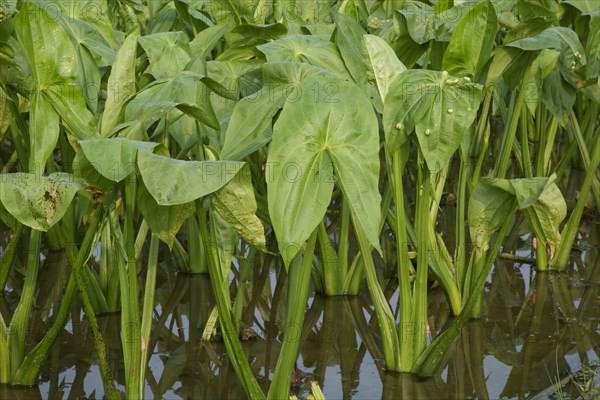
(537, 329)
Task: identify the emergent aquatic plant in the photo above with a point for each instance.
(316, 132)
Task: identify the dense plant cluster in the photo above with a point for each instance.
(326, 132)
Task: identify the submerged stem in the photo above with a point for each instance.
(29, 369)
(17, 330)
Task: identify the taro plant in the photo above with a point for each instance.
(322, 140)
(315, 132)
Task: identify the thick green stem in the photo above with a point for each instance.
(461, 237)
(245, 275)
(20, 136)
(478, 265)
(108, 266)
(429, 361)
(525, 144)
(29, 369)
(8, 256)
(107, 380)
(404, 264)
(585, 156)
(197, 263)
(436, 195)
(232, 344)
(420, 290)
(569, 232)
(511, 129)
(4, 353)
(148, 307)
(541, 260)
(298, 288)
(131, 313)
(480, 159)
(543, 165)
(17, 331)
(483, 124)
(332, 274)
(385, 317)
(343, 239)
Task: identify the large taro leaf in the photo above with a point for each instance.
(89, 78)
(318, 11)
(405, 104)
(206, 40)
(544, 207)
(69, 103)
(14, 70)
(314, 50)
(168, 53)
(114, 158)
(87, 173)
(558, 38)
(89, 12)
(236, 204)
(231, 12)
(541, 67)
(43, 131)
(162, 17)
(541, 199)
(164, 221)
(248, 128)
(592, 48)
(382, 63)
(585, 6)
(408, 51)
(441, 109)
(471, 45)
(49, 51)
(508, 63)
(121, 83)
(356, 9)
(6, 116)
(488, 206)
(528, 190)
(252, 34)
(173, 182)
(421, 21)
(239, 78)
(348, 37)
(311, 140)
(546, 216)
(184, 91)
(53, 63)
(87, 24)
(226, 238)
(38, 201)
(423, 24)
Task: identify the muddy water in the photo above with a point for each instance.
(537, 329)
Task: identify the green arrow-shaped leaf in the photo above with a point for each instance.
(38, 201)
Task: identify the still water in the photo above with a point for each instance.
(538, 329)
